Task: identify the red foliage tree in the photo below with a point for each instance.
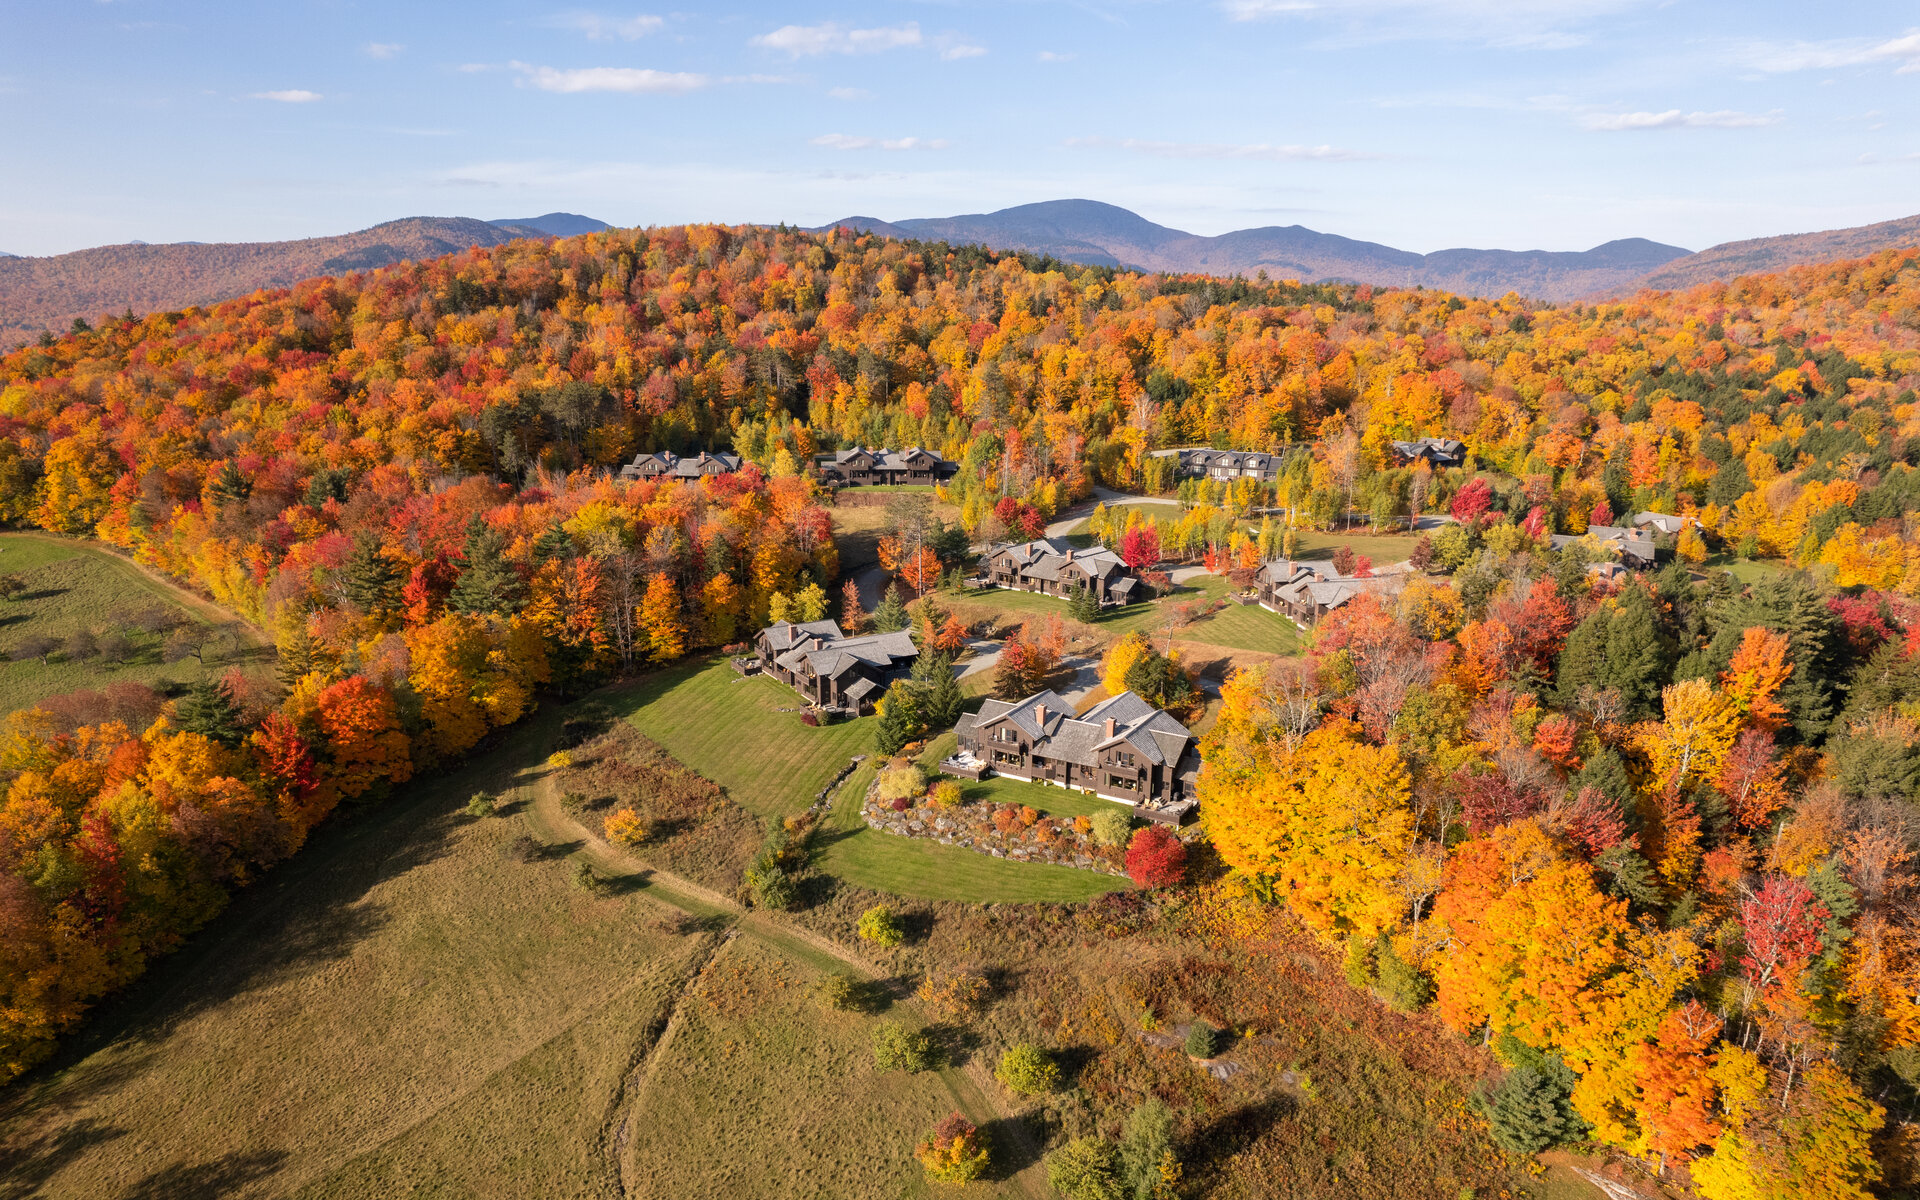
(1156, 858)
(1602, 513)
(1472, 501)
(1140, 547)
(1781, 925)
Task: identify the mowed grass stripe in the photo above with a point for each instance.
(730, 730)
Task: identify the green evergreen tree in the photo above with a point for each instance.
(1145, 1140)
(209, 710)
(891, 615)
(554, 543)
(1636, 659)
(296, 656)
(1082, 607)
(940, 698)
(901, 719)
(371, 579)
(488, 584)
(230, 487)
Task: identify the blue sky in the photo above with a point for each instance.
(1420, 123)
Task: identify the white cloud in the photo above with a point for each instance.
(1673, 118)
(1508, 24)
(600, 27)
(843, 141)
(956, 50)
(1056, 56)
(632, 80)
(1259, 10)
(802, 41)
(289, 96)
(1777, 58)
(850, 93)
(383, 49)
(1258, 151)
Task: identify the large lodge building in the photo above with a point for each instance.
(1121, 749)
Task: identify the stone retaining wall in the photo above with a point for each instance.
(972, 827)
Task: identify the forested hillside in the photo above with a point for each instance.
(1653, 838)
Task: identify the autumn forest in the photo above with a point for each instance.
(1651, 838)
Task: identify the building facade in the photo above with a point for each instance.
(1054, 567)
(664, 464)
(1309, 590)
(1122, 749)
(1204, 462)
(861, 467)
(1634, 547)
(1440, 452)
(830, 669)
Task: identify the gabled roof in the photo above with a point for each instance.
(1151, 732)
(784, 635)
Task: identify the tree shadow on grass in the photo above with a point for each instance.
(27, 1165)
(1014, 1147)
(202, 1181)
(1236, 1130)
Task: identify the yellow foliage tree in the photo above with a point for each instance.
(1121, 657)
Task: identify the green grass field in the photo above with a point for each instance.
(729, 729)
(1747, 570)
(72, 586)
(1381, 548)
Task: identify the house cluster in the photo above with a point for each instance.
(1204, 462)
(833, 671)
(1054, 567)
(1633, 546)
(861, 467)
(665, 464)
(1121, 749)
(1309, 590)
(1438, 452)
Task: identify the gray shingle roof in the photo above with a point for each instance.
(1151, 732)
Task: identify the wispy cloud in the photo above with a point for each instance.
(812, 41)
(1781, 57)
(843, 141)
(804, 41)
(631, 80)
(600, 27)
(850, 93)
(1870, 159)
(1673, 118)
(1257, 151)
(383, 49)
(1056, 56)
(290, 96)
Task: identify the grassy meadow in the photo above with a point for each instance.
(731, 730)
(72, 586)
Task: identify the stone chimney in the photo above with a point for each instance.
(1109, 727)
(1040, 716)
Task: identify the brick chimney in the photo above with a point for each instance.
(1040, 715)
(1109, 726)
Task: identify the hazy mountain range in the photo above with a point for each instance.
(48, 293)
(1090, 232)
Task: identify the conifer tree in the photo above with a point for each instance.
(891, 616)
(940, 698)
(901, 719)
(554, 543)
(371, 580)
(209, 710)
(853, 617)
(1082, 607)
(488, 584)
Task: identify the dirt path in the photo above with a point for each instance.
(972, 1086)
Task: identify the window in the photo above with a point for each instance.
(1001, 756)
(1124, 782)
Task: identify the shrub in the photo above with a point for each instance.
(1203, 1040)
(1148, 1166)
(1527, 1113)
(902, 783)
(1400, 982)
(585, 877)
(1085, 1169)
(482, 804)
(560, 760)
(1082, 826)
(900, 804)
(574, 802)
(1027, 1070)
(879, 926)
(11, 586)
(954, 1152)
(809, 718)
(1155, 858)
(839, 990)
(1028, 815)
(1110, 827)
(954, 991)
(945, 794)
(898, 1048)
(624, 827)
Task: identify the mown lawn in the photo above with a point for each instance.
(926, 870)
(1747, 570)
(405, 1008)
(730, 730)
(71, 586)
(1381, 548)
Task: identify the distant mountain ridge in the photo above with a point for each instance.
(48, 293)
(1106, 235)
(1756, 256)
